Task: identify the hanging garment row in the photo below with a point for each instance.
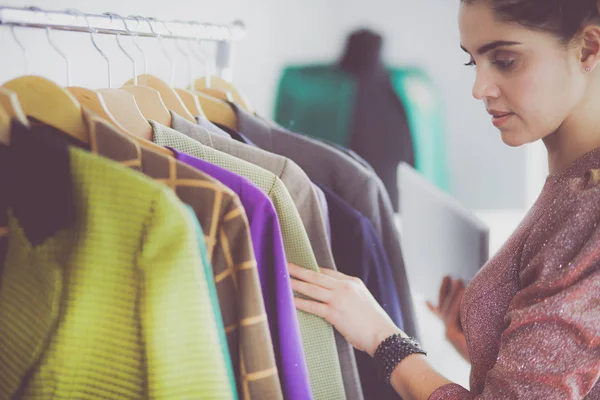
(145, 238)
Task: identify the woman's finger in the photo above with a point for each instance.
(312, 291)
(444, 289)
(433, 308)
(337, 275)
(448, 301)
(312, 307)
(309, 276)
(455, 308)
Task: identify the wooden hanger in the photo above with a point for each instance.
(168, 94)
(4, 126)
(50, 104)
(150, 103)
(93, 101)
(226, 89)
(217, 111)
(124, 108)
(218, 93)
(191, 102)
(10, 102)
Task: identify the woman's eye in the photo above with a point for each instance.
(504, 64)
(471, 63)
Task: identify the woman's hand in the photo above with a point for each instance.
(346, 303)
(448, 310)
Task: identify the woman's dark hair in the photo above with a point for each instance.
(562, 18)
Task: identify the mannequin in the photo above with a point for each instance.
(380, 131)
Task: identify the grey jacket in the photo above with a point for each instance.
(361, 188)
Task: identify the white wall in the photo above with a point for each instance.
(277, 29)
(485, 173)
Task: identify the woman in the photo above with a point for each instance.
(531, 317)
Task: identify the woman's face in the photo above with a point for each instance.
(529, 82)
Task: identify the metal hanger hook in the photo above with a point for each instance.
(165, 52)
(202, 58)
(149, 22)
(93, 33)
(137, 45)
(157, 36)
(63, 55)
(188, 59)
(23, 50)
(129, 56)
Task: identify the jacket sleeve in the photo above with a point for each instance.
(551, 346)
(178, 325)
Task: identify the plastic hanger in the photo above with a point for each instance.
(169, 96)
(4, 127)
(50, 104)
(216, 110)
(9, 101)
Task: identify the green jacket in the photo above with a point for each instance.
(318, 100)
(114, 305)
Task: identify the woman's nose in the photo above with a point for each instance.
(484, 87)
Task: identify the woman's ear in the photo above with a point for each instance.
(590, 51)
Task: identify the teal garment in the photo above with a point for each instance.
(318, 100)
(212, 291)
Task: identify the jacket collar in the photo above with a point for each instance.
(35, 174)
(191, 130)
(109, 143)
(254, 128)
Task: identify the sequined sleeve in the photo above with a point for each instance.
(551, 346)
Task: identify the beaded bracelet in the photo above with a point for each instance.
(392, 351)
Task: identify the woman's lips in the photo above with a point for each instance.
(501, 119)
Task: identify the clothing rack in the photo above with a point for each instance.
(76, 21)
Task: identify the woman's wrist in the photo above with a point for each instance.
(393, 351)
(381, 336)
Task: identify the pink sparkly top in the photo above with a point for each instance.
(532, 314)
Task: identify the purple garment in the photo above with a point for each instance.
(274, 279)
(225, 131)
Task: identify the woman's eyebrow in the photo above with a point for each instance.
(491, 46)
